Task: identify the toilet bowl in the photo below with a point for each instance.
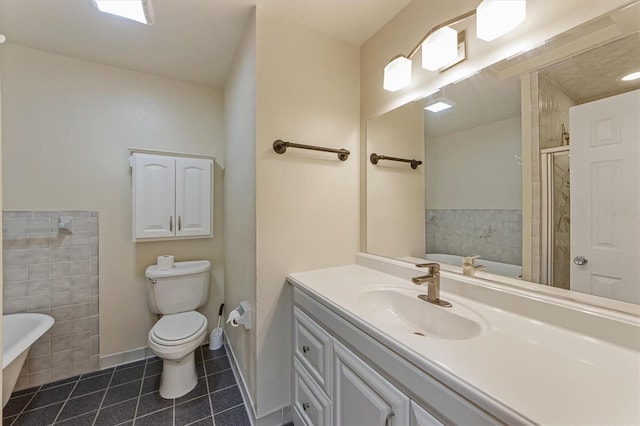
(174, 338)
(176, 293)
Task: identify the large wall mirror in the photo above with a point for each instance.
(534, 167)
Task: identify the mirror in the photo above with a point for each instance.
(505, 167)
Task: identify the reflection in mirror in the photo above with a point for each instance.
(473, 163)
(552, 193)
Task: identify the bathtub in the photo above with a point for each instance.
(496, 268)
(19, 332)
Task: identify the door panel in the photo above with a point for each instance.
(605, 194)
(153, 196)
(193, 201)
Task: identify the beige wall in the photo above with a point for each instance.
(1, 272)
(240, 201)
(67, 126)
(395, 201)
(307, 202)
(476, 168)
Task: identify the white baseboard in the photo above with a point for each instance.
(125, 357)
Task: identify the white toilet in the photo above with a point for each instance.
(176, 293)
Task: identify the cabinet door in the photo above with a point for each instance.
(193, 196)
(362, 396)
(153, 196)
(421, 417)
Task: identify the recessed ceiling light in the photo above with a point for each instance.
(136, 10)
(439, 106)
(632, 76)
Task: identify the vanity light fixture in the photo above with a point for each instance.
(440, 49)
(439, 105)
(497, 17)
(136, 10)
(441, 44)
(631, 77)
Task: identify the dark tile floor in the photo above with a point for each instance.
(128, 395)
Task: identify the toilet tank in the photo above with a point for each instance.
(182, 288)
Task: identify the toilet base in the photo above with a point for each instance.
(179, 377)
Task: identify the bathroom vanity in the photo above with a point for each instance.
(368, 351)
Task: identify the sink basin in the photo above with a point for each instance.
(402, 310)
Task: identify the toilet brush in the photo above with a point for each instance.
(215, 339)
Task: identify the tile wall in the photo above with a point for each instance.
(54, 272)
(493, 234)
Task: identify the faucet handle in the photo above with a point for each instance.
(469, 260)
(434, 268)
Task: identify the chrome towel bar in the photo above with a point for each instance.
(281, 146)
(375, 158)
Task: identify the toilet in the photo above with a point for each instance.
(176, 293)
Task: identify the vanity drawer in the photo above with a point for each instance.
(313, 348)
(310, 402)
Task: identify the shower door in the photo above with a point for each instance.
(556, 218)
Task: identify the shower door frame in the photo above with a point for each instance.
(547, 159)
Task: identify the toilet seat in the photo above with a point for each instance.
(176, 329)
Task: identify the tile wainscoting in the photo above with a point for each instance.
(54, 272)
(493, 234)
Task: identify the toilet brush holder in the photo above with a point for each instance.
(215, 339)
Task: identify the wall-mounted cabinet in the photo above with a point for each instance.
(172, 197)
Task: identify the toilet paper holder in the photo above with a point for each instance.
(241, 315)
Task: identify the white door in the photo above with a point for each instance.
(193, 196)
(362, 397)
(153, 196)
(605, 197)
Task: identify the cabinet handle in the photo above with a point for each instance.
(170, 223)
(179, 223)
(305, 406)
(387, 420)
(305, 349)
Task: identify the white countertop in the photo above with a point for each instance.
(545, 373)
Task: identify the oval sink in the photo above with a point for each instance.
(402, 309)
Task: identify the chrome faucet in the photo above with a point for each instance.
(432, 278)
(469, 267)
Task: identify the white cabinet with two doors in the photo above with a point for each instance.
(333, 386)
(172, 196)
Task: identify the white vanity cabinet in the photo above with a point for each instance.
(333, 386)
(171, 197)
(343, 376)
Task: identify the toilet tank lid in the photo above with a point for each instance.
(179, 269)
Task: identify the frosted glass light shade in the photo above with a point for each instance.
(136, 10)
(397, 74)
(495, 18)
(440, 49)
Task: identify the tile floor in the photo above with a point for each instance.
(128, 395)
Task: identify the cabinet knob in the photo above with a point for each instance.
(305, 406)
(179, 223)
(305, 349)
(387, 420)
(170, 223)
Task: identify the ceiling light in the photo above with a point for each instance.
(397, 74)
(497, 17)
(631, 77)
(136, 10)
(438, 106)
(440, 49)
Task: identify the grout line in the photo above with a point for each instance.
(104, 397)
(144, 371)
(67, 400)
(25, 405)
(230, 408)
(206, 382)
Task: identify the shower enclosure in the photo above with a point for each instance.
(555, 217)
